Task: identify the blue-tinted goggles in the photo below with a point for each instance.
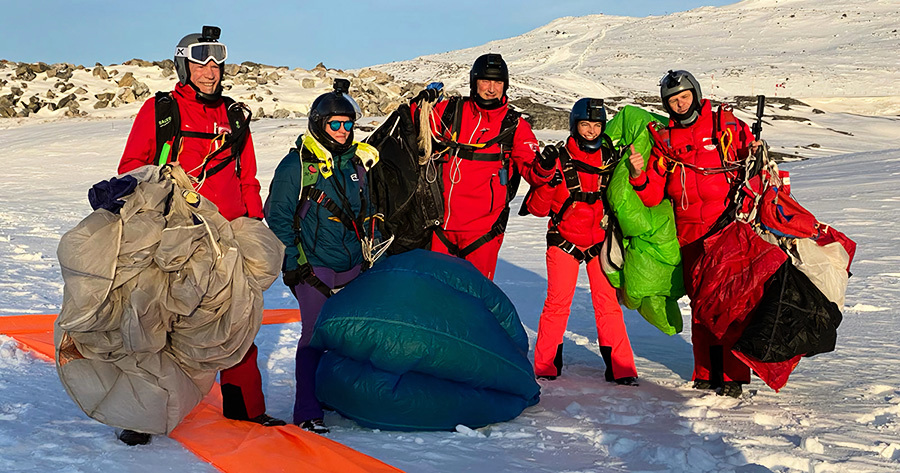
(336, 125)
(202, 53)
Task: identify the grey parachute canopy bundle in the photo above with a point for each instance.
(160, 294)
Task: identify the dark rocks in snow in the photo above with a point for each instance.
(126, 81)
(100, 72)
(540, 116)
(138, 62)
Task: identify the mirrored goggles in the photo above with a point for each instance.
(202, 53)
(335, 125)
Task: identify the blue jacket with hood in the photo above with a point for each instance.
(321, 239)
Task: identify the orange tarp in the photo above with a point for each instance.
(231, 446)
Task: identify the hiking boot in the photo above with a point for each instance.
(731, 388)
(316, 426)
(132, 438)
(703, 384)
(627, 381)
(266, 420)
(545, 377)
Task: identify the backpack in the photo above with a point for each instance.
(409, 195)
(169, 133)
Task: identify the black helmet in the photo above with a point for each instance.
(488, 67)
(591, 110)
(677, 81)
(330, 104)
(200, 48)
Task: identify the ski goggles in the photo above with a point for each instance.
(202, 53)
(335, 125)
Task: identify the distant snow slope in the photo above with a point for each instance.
(795, 48)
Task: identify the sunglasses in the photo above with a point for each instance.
(335, 125)
(202, 53)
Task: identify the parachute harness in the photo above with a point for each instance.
(190, 199)
(216, 143)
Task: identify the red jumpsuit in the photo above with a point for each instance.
(242, 396)
(580, 225)
(474, 195)
(682, 168)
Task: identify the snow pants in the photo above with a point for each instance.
(713, 359)
(306, 405)
(484, 258)
(562, 276)
(242, 394)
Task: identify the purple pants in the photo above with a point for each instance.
(306, 406)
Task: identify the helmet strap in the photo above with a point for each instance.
(487, 104)
(204, 97)
(591, 146)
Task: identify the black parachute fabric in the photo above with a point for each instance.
(407, 193)
(792, 318)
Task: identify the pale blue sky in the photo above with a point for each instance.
(342, 34)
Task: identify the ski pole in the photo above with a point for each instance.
(760, 108)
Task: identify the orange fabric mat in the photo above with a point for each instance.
(231, 446)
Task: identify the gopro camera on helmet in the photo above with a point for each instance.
(210, 33)
(342, 86)
(494, 61)
(595, 111)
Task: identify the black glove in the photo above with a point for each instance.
(428, 95)
(548, 157)
(556, 179)
(295, 277)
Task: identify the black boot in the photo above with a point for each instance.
(233, 406)
(730, 388)
(266, 420)
(132, 438)
(606, 353)
(557, 360)
(716, 367)
(703, 384)
(316, 426)
(627, 381)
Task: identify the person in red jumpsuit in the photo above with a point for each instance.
(577, 228)
(204, 127)
(696, 169)
(483, 143)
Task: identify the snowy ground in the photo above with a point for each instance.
(840, 412)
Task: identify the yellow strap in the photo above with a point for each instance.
(367, 154)
(725, 142)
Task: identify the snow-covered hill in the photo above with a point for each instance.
(813, 50)
(820, 62)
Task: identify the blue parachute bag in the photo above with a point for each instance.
(423, 341)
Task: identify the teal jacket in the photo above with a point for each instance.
(310, 232)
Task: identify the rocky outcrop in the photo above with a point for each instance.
(276, 92)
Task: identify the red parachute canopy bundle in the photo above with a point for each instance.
(773, 280)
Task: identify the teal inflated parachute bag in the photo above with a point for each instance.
(423, 341)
